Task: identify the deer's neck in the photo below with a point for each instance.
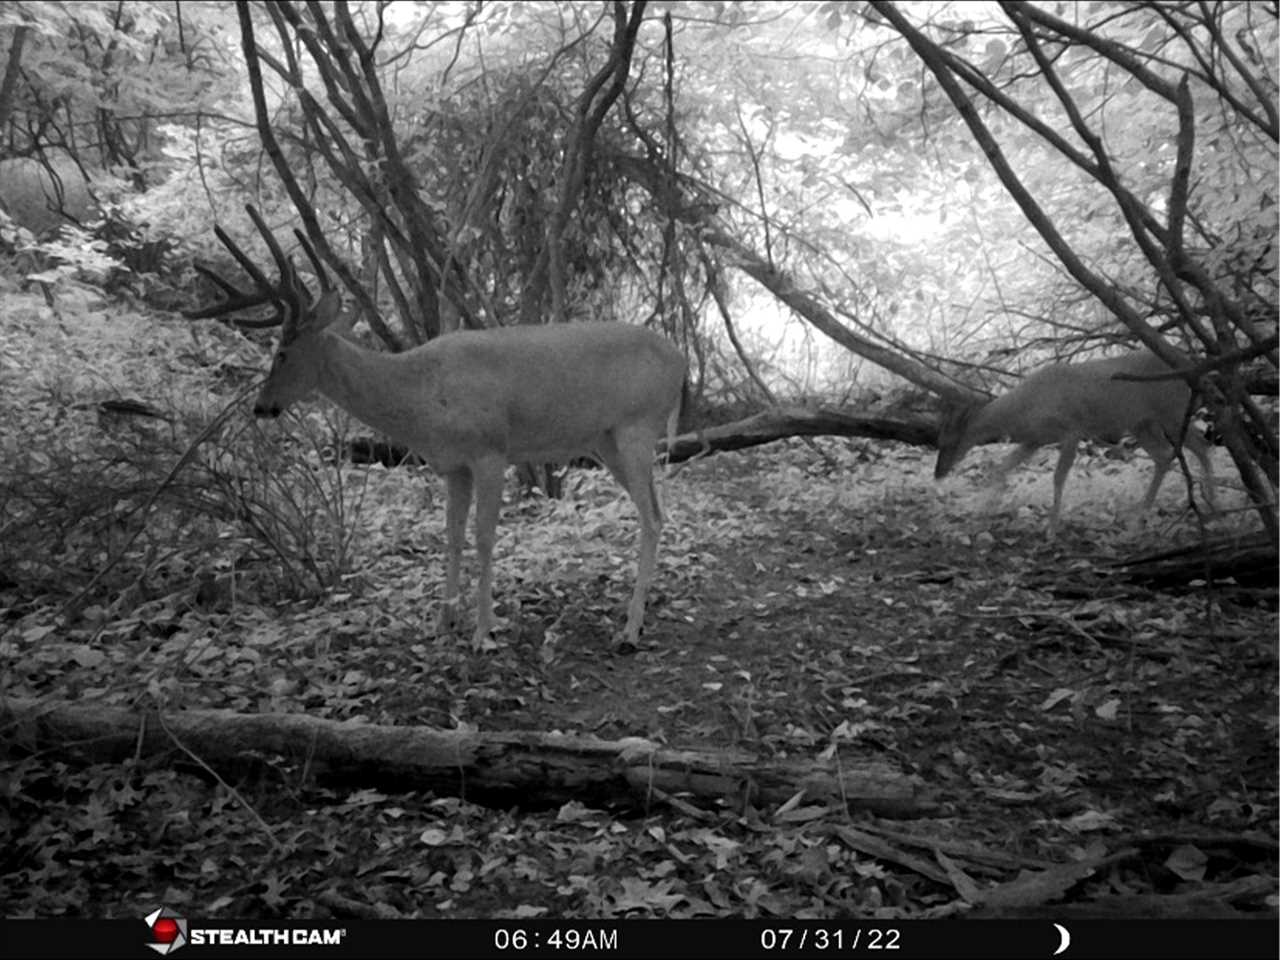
(379, 389)
(995, 420)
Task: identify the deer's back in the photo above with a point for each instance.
(546, 392)
(1083, 398)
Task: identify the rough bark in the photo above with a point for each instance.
(532, 769)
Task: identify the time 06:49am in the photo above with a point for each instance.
(557, 938)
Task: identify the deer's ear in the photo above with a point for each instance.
(328, 314)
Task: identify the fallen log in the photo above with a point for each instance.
(767, 426)
(1250, 560)
(529, 769)
(780, 423)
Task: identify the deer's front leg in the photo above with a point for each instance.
(457, 505)
(1066, 457)
(998, 482)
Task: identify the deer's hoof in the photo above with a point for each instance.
(483, 642)
(447, 620)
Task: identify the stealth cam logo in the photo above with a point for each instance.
(168, 930)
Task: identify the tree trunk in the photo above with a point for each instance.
(12, 70)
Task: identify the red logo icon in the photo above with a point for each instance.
(168, 930)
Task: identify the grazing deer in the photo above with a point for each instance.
(472, 402)
(1068, 402)
(42, 194)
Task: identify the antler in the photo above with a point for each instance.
(289, 295)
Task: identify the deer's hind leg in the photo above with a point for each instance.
(628, 453)
(457, 506)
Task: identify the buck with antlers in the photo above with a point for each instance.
(1069, 402)
(472, 402)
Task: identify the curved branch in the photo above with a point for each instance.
(300, 202)
(593, 105)
(934, 59)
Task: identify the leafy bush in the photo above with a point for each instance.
(118, 497)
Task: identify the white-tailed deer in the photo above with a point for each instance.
(472, 402)
(43, 194)
(1069, 402)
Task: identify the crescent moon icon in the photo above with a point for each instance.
(1065, 934)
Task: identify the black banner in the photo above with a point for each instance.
(167, 932)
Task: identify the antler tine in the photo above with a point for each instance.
(289, 294)
(282, 262)
(242, 258)
(234, 300)
(316, 265)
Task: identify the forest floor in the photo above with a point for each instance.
(809, 598)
